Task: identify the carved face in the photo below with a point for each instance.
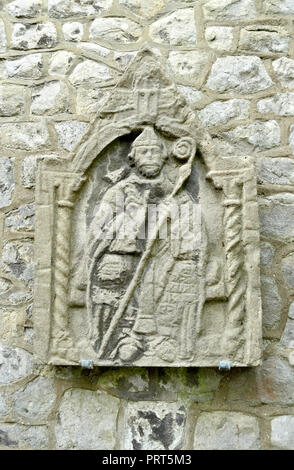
(149, 160)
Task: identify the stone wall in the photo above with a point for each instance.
(233, 60)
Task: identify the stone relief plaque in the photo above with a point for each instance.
(147, 240)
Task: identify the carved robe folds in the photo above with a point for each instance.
(147, 239)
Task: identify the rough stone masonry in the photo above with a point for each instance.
(233, 60)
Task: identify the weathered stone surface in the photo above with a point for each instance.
(271, 303)
(287, 339)
(191, 95)
(177, 28)
(240, 74)
(254, 137)
(69, 133)
(35, 400)
(124, 382)
(284, 70)
(120, 30)
(275, 170)
(225, 430)
(147, 8)
(28, 67)
(90, 101)
(264, 39)
(220, 112)
(281, 104)
(278, 6)
(267, 253)
(282, 432)
(197, 385)
(124, 58)
(24, 8)
(154, 425)
(24, 437)
(73, 31)
(188, 66)
(86, 420)
(21, 219)
(28, 171)
(66, 8)
(3, 405)
(17, 260)
(99, 51)
(89, 72)
(33, 36)
(2, 36)
(288, 268)
(229, 9)
(219, 37)
(291, 137)
(24, 135)
(6, 181)
(275, 381)
(15, 363)
(51, 98)
(276, 214)
(61, 62)
(11, 100)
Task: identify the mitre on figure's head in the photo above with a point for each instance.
(148, 138)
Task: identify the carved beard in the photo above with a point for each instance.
(149, 172)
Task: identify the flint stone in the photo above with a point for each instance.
(6, 181)
(35, 400)
(21, 219)
(33, 36)
(229, 9)
(27, 437)
(219, 37)
(3, 405)
(17, 260)
(154, 425)
(69, 133)
(188, 65)
(24, 136)
(276, 215)
(65, 8)
(11, 100)
(275, 381)
(177, 28)
(278, 6)
(291, 311)
(288, 269)
(281, 104)
(72, 31)
(291, 137)
(86, 420)
(265, 39)
(89, 72)
(271, 303)
(124, 58)
(98, 50)
(28, 67)
(221, 112)
(2, 36)
(282, 432)
(61, 62)
(226, 430)
(25, 8)
(254, 137)
(287, 340)
(121, 30)
(267, 253)
(15, 363)
(51, 98)
(241, 74)
(284, 70)
(275, 170)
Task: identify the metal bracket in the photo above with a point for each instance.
(224, 365)
(87, 364)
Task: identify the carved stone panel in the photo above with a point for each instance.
(147, 240)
